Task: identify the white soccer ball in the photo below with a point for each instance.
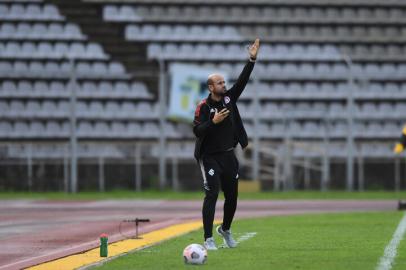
(195, 254)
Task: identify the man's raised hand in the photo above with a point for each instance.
(253, 49)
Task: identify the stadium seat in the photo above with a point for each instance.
(213, 32)
(95, 51)
(97, 110)
(128, 109)
(105, 88)
(144, 109)
(102, 129)
(150, 130)
(113, 109)
(16, 11)
(82, 69)
(163, 32)
(395, 14)
(205, 11)
(10, 50)
(147, 32)
(3, 10)
(110, 12)
(391, 90)
(394, 50)
(170, 130)
(72, 31)
(50, 12)
(276, 70)
(46, 50)
(20, 130)
(121, 89)
(376, 49)
(37, 129)
(140, 90)
(6, 68)
(127, 13)
(40, 31)
(55, 31)
(385, 109)
(65, 129)
(277, 129)
(400, 109)
(77, 50)
(134, 129)
(180, 32)
(40, 89)
(174, 12)
(388, 71)
(4, 108)
(62, 108)
(5, 128)
(116, 68)
(58, 89)
(401, 71)
(20, 68)
(98, 68)
(292, 70)
(16, 108)
(186, 51)
(365, 14)
(25, 87)
(49, 109)
(22, 31)
(340, 71)
(85, 129)
(132, 32)
(119, 129)
(7, 30)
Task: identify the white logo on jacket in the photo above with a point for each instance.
(226, 99)
(211, 172)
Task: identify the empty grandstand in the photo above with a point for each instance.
(324, 108)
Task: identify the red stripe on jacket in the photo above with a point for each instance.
(197, 112)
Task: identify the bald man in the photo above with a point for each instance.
(218, 129)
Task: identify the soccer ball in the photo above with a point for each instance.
(195, 254)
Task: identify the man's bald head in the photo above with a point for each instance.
(216, 84)
(213, 78)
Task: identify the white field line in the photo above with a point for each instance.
(243, 237)
(386, 261)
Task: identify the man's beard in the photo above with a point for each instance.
(218, 93)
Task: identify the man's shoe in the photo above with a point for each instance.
(209, 244)
(227, 237)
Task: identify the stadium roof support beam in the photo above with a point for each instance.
(73, 137)
(162, 121)
(350, 125)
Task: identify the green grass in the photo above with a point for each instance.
(317, 241)
(171, 195)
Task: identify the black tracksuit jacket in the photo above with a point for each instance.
(203, 123)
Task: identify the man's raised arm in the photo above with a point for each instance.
(238, 87)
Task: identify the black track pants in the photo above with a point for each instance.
(219, 170)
